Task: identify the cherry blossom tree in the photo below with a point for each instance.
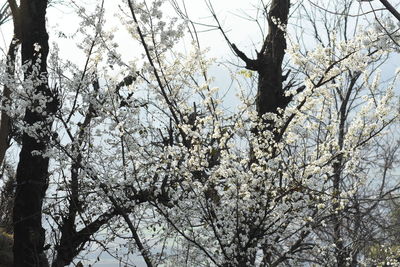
(144, 153)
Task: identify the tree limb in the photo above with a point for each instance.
(391, 9)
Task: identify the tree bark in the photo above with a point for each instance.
(32, 170)
(270, 95)
(268, 64)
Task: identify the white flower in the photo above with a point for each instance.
(36, 47)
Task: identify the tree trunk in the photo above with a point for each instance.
(270, 91)
(32, 170)
(268, 64)
(270, 95)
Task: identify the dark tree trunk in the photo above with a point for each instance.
(270, 91)
(270, 95)
(268, 64)
(32, 170)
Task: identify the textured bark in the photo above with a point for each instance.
(268, 64)
(32, 170)
(270, 98)
(270, 95)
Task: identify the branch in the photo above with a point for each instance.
(5, 119)
(15, 11)
(164, 94)
(83, 235)
(251, 64)
(14, 8)
(72, 242)
(391, 9)
(5, 13)
(143, 251)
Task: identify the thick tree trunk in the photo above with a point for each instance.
(32, 170)
(268, 64)
(270, 95)
(270, 91)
